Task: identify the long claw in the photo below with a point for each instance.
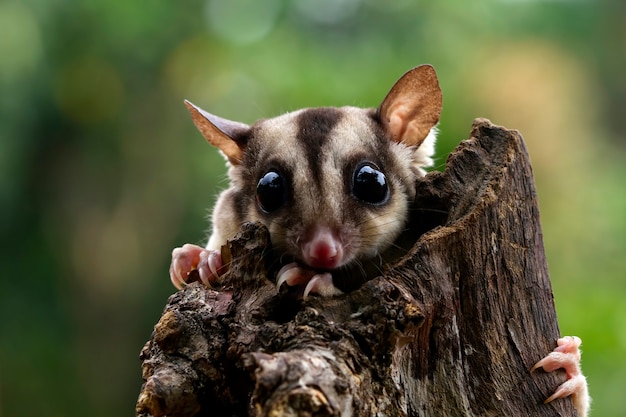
(204, 278)
(174, 277)
(175, 272)
(321, 284)
(573, 386)
(213, 269)
(566, 356)
(287, 274)
(215, 261)
(201, 267)
(310, 286)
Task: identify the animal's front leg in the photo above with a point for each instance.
(567, 356)
(315, 282)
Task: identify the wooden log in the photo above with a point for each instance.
(451, 329)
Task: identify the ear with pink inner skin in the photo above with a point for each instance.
(224, 134)
(413, 106)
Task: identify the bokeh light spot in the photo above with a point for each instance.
(89, 90)
(20, 41)
(328, 12)
(243, 21)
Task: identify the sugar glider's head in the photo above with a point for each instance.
(332, 185)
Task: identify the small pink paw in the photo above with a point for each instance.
(567, 356)
(315, 283)
(190, 258)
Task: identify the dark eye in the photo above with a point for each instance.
(370, 185)
(271, 192)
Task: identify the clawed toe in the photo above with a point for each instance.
(184, 260)
(209, 267)
(314, 283)
(292, 274)
(321, 284)
(190, 258)
(567, 356)
(570, 387)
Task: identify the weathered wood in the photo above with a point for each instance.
(452, 329)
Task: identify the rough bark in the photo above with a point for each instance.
(452, 329)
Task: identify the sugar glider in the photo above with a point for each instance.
(334, 187)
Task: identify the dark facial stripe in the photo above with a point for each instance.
(382, 144)
(314, 127)
(384, 137)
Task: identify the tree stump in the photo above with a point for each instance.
(452, 329)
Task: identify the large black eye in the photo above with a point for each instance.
(271, 192)
(370, 185)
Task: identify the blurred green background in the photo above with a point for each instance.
(102, 173)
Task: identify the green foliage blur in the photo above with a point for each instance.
(102, 173)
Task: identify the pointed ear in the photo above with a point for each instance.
(230, 137)
(413, 106)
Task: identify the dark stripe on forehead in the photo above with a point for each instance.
(314, 127)
(382, 144)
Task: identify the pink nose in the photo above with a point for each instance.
(323, 250)
(323, 254)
